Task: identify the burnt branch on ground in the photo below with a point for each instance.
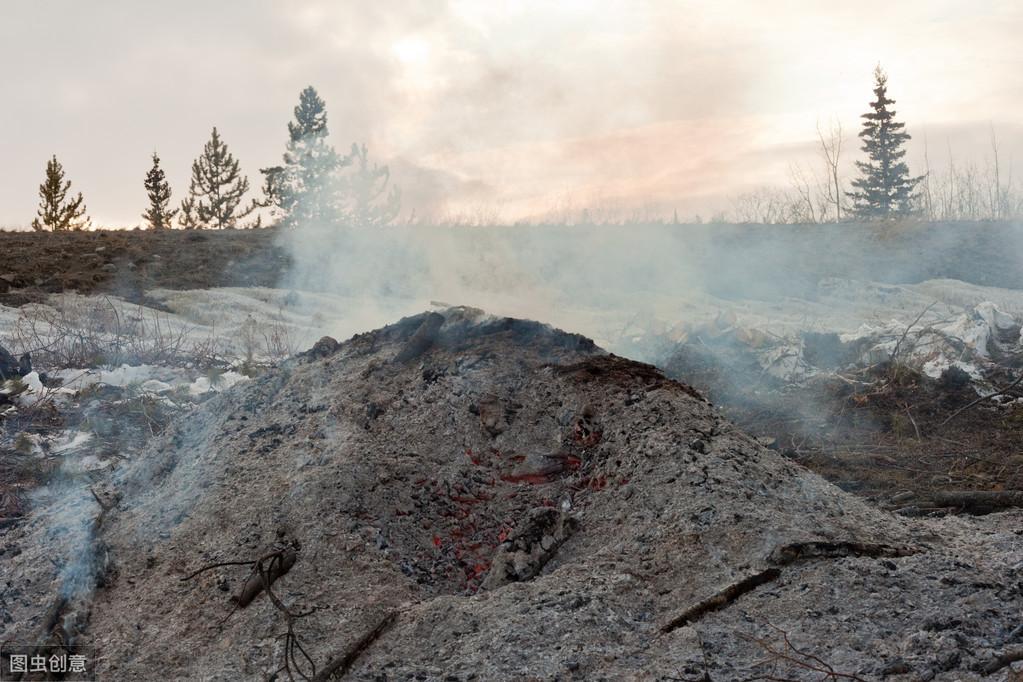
(785, 555)
(341, 664)
(721, 599)
(266, 570)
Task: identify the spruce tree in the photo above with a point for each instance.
(159, 192)
(57, 212)
(216, 189)
(304, 189)
(884, 188)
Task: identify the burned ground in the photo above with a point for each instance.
(882, 431)
(733, 261)
(129, 262)
(471, 498)
(457, 496)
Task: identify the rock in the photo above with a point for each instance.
(492, 415)
(954, 378)
(896, 667)
(530, 547)
(11, 368)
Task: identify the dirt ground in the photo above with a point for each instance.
(128, 262)
(885, 435)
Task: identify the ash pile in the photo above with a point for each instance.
(461, 497)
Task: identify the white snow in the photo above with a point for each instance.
(961, 325)
(205, 384)
(71, 441)
(34, 391)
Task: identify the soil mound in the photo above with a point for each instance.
(462, 497)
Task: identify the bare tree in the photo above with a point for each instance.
(999, 194)
(970, 190)
(831, 151)
(926, 195)
(768, 206)
(807, 189)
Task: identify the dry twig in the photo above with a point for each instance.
(902, 339)
(789, 654)
(265, 570)
(981, 399)
(339, 665)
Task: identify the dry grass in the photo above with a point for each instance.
(93, 332)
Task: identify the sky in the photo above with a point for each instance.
(501, 110)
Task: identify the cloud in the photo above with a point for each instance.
(474, 103)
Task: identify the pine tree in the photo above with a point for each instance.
(159, 192)
(884, 188)
(57, 212)
(370, 200)
(304, 189)
(188, 218)
(216, 190)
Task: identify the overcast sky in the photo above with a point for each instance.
(509, 108)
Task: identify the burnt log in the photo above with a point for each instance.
(278, 566)
(975, 501)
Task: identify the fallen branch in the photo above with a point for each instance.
(783, 555)
(721, 599)
(291, 643)
(210, 567)
(981, 399)
(279, 564)
(973, 501)
(913, 422)
(266, 570)
(340, 665)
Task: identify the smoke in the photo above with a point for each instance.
(591, 274)
(576, 277)
(725, 307)
(71, 514)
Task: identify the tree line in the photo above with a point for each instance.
(315, 185)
